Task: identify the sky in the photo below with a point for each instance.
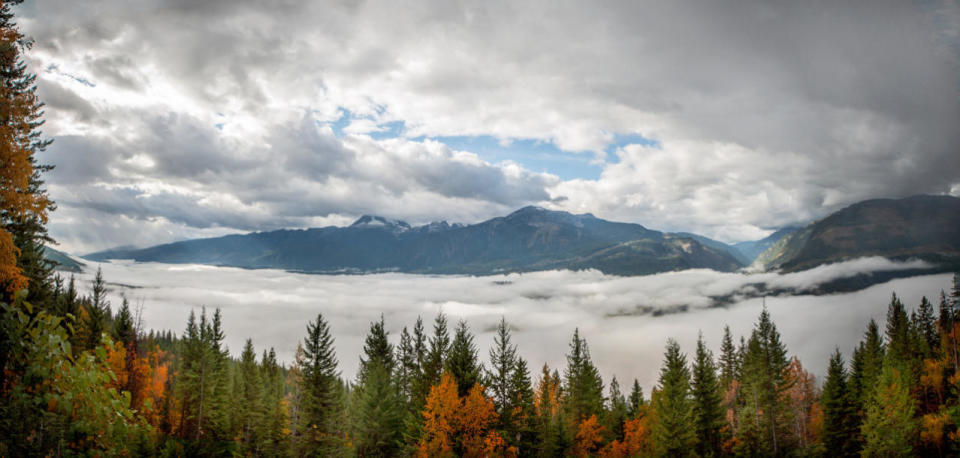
(614, 314)
(177, 119)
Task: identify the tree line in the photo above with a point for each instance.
(79, 379)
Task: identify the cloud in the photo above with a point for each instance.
(543, 307)
(762, 114)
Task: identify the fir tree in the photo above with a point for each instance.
(729, 362)
(674, 430)
(635, 401)
(764, 381)
(523, 436)
(437, 354)
(616, 412)
(583, 388)
(248, 399)
(98, 311)
(321, 393)
(927, 324)
(839, 418)
(462, 362)
(499, 378)
(707, 403)
(377, 407)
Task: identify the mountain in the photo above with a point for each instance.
(921, 227)
(751, 250)
(528, 239)
(64, 262)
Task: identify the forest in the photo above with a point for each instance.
(80, 376)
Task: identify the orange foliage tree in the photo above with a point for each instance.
(636, 437)
(460, 426)
(588, 438)
(18, 202)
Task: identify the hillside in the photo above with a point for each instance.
(531, 238)
(922, 227)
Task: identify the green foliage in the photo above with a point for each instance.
(839, 416)
(57, 402)
(377, 408)
(674, 430)
(462, 361)
(889, 428)
(764, 380)
(322, 407)
(583, 387)
(707, 403)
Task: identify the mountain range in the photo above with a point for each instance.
(535, 238)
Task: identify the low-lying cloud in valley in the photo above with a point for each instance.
(626, 320)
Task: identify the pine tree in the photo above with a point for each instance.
(583, 388)
(419, 385)
(839, 422)
(707, 403)
(899, 348)
(926, 324)
(124, 328)
(98, 311)
(321, 406)
(635, 401)
(499, 379)
(729, 362)
(764, 371)
(462, 362)
(674, 431)
(377, 407)
(616, 412)
(437, 354)
(524, 434)
(248, 399)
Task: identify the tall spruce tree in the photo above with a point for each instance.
(98, 311)
(889, 428)
(839, 416)
(583, 387)
(322, 409)
(523, 436)
(674, 431)
(635, 400)
(616, 412)
(248, 399)
(499, 379)
(708, 411)
(439, 347)
(462, 362)
(927, 324)
(377, 407)
(764, 374)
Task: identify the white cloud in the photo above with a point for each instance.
(544, 307)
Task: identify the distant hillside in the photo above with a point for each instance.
(64, 262)
(922, 227)
(751, 250)
(529, 239)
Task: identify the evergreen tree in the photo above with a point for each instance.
(98, 311)
(635, 401)
(437, 354)
(583, 388)
(616, 412)
(524, 434)
(839, 418)
(274, 411)
(674, 431)
(419, 385)
(729, 362)
(462, 362)
(765, 380)
(248, 399)
(927, 324)
(377, 407)
(124, 328)
(321, 392)
(499, 379)
(707, 403)
(899, 348)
